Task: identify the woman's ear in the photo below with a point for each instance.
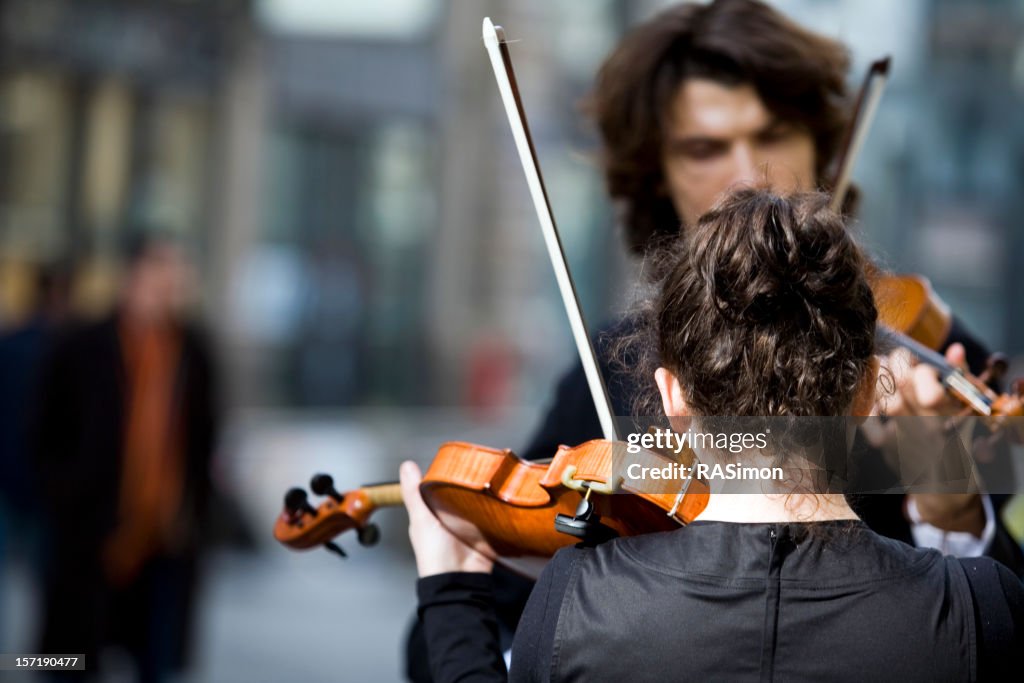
(864, 400)
(671, 393)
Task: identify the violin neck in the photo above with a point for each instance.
(955, 381)
(383, 495)
(891, 337)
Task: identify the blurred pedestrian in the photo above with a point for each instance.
(123, 437)
(21, 352)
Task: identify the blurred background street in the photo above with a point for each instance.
(271, 614)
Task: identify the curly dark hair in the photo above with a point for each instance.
(799, 75)
(763, 309)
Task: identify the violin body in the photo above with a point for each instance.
(505, 507)
(908, 304)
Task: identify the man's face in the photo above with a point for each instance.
(160, 284)
(721, 137)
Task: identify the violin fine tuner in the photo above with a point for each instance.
(586, 523)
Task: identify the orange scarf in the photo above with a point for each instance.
(152, 466)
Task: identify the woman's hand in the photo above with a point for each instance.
(437, 550)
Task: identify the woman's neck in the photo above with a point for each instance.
(776, 507)
(770, 500)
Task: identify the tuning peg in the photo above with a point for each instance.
(323, 485)
(368, 535)
(296, 501)
(585, 524)
(995, 367)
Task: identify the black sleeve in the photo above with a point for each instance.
(457, 611)
(533, 648)
(204, 418)
(998, 617)
(977, 353)
(1004, 548)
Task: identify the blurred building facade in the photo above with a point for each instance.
(397, 210)
(349, 182)
(110, 117)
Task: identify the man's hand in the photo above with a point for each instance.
(918, 391)
(437, 550)
(952, 511)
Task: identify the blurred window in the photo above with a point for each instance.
(378, 19)
(35, 144)
(355, 207)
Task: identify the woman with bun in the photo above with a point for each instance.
(762, 309)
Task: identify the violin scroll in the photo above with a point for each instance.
(302, 526)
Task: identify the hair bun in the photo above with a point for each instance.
(769, 292)
(791, 257)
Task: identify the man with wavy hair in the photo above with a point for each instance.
(701, 99)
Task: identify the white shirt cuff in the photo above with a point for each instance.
(957, 543)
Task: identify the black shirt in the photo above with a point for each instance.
(723, 601)
(572, 419)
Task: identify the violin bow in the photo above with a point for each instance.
(864, 113)
(952, 378)
(501, 61)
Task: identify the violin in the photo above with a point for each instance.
(516, 512)
(913, 317)
(907, 304)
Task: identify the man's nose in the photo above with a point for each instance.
(748, 168)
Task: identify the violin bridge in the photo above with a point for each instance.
(569, 481)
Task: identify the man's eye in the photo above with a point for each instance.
(775, 135)
(699, 151)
